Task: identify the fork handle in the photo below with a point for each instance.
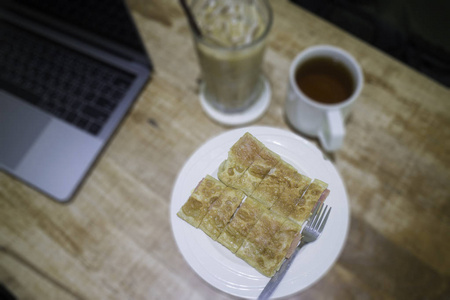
(279, 275)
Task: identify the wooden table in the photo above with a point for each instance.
(114, 240)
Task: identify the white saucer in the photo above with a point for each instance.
(240, 118)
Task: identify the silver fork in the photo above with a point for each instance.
(312, 230)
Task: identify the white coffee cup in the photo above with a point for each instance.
(316, 119)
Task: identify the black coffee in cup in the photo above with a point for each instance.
(325, 80)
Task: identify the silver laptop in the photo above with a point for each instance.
(69, 72)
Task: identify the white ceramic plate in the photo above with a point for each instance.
(221, 268)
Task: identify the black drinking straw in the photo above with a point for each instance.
(191, 19)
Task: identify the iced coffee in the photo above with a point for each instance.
(231, 50)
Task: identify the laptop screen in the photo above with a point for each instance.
(86, 19)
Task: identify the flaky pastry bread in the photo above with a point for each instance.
(257, 207)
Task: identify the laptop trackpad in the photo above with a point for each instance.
(27, 123)
(58, 160)
(43, 151)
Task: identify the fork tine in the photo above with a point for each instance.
(316, 216)
(325, 220)
(320, 217)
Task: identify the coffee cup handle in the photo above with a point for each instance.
(332, 134)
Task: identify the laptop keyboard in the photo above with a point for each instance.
(67, 84)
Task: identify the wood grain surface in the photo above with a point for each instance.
(114, 239)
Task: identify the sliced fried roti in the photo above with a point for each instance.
(196, 207)
(295, 185)
(282, 182)
(269, 189)
(264, 260)
(241, 224)
(282, 240)
(264, 228)
(304, 205)
(221, 211)
(291, 177)
(241, 155)
(286, 202)
(258, 248)
(253, 176)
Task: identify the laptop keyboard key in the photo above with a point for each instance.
(94, 113)
(94, 128)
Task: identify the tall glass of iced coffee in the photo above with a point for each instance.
(231, 50)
